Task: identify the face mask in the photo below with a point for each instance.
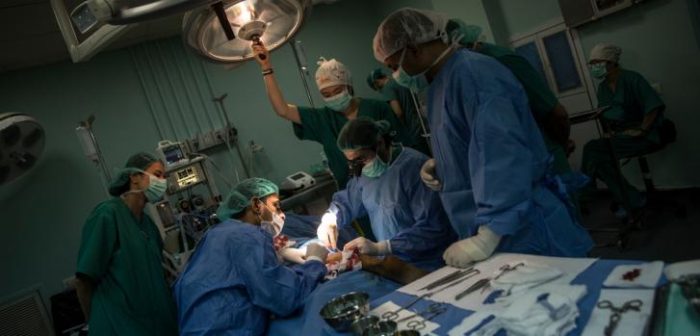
(599, 70)
(417, 82)
(273, 227)
(375, 168)
(339, 102)
(156, 188)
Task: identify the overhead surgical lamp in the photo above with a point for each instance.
(21, 143)
(223, 31)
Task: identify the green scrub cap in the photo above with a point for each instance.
(373, 76)
(239, 198)
(136, 163)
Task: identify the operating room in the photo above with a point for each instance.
(155, 98)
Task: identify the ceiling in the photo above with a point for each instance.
(29, 34)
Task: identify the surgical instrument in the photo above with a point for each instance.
(617, 313)
(485, 282)
(392, 315)
(434, 308)
(448, 278)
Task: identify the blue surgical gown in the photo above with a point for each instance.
(234, 282)
(401, 209)
(492, 161)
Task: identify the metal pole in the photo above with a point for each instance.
(220, 101)
(300, 57)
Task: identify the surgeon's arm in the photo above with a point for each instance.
(557, 125)
(397, 110)
(84, 287)
(431, 230)
(347, 203)
(273, 286)
(279, 104)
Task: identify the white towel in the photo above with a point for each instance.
(649, 274)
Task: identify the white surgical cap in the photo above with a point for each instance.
(407, 26)
(606, 52)
(332, 73)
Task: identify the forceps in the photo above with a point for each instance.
(617, 313)
(434, 309)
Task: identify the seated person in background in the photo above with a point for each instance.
(406, 216)
(401, 101)
(235, 280)
(634, 117)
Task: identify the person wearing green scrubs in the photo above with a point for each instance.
(401, 101)
(323, 124)
(550, 115)
(634, 118)
(120, 281)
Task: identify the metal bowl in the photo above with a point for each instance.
(382, 328)
(342, 311)
(406, 333)
(359, 326)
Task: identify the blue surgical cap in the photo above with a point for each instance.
(239, 198)
(373, 76)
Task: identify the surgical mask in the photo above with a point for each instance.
(274, 226)
(417, 82)
(599, 70)
(375, 168)
(156, 188)
(339, 102)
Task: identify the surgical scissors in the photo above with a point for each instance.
(434, 309)
(392, 315)
(617, 313)
(485, 283)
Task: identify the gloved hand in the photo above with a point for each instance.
(475, 248)
(316, 252)
(428, 175)
(366, 246)
(327, 231)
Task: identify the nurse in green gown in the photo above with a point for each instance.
(119, 278)
(323, 124)
(634, 118)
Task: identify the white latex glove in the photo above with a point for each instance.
(316, 252)
(476, 248)
(327, 231)
(366, 246)
(428, 175)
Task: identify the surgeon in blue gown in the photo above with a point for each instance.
(407, 217)
(490, 162)
(235, 281)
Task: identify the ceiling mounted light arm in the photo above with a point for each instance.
(117, 13)
(220, 11)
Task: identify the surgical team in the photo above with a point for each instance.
(498, 181)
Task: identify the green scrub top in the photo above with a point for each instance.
(633, 98)
(542, 99)
(122, 255)
(411, 118)
(323, 126)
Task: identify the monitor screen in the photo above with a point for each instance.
(173, 154)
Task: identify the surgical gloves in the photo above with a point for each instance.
(327, 231)
(429, 177)
(472, 249)
(366, 246)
